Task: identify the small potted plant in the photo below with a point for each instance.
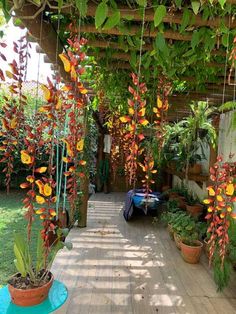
(180, 220)
(193, 205)
(191, 246)
(31, 284)
(168, 216)
(194, 166)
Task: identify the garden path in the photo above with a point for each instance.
(133, 268)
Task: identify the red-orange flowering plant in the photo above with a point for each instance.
(220, 203)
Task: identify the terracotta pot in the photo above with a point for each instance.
(191, 254)
(30, 297)
(194, 210)
(177, 240)
(181, 202)
(195, 169)
(171, 232)
(165, 188)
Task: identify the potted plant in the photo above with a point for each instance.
(180, 220)
(191, 246)
(31, 284)
(193, 205)
(168, 216)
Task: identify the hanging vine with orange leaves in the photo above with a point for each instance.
(220, 202)
(134, 121)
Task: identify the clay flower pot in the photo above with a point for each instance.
(177, 240)
(181, 202)
(195, 169)
(191, 254)
(171, 232)
(30, 297)
(194, 210)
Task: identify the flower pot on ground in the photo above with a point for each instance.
(194, 210)
(30, 295)
(181, 201)
(191, 252)
(195, 169)
(177, 239)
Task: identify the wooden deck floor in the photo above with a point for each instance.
(118, 267)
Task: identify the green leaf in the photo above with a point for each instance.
(196, 6)
(195, 39)
(40, 253)
(142, 3)
(224, 40)
(130, 41)
(222, 3)
(112, 21)
(19, 261)
(82, 6)
(60, 4)
(133, 59)
(101, 14)
(178, 3)
(160, 13)
(128, 17)
(160, 42)
(185, 20)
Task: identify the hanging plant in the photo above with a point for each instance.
(220, 202)
(135, 121)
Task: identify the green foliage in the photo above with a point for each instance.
(221, 273)
(113, 20)
(82, 6)
(160, 13)
(101, 14)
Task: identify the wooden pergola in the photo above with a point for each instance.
(45, 34)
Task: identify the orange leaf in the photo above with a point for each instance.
(41, 170)
(82, 162)
(66, 62)
(73, 74)
(52, 212)
(125, 119)
(40, 199)
(159, 103)
(229, 189)
(46, 92)
(144, 122)
(142, 112)
(47, 190)
(24, 185)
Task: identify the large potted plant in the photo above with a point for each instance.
(31, 284)
(191, 246)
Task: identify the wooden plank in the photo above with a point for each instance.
(117, 267)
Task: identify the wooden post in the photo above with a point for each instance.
(82, 222)
(214, 150)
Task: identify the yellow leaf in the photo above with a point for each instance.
(13, 123)
(229, 189)
(80, 145)
(131, 111)
(207, 201)
(125, 119)
(154, 171)
(47, 190)
(73, 74)
(58, 105)
(30, 179)
(82, 162)
(159, 103)
(211, 191)
(52, 212)
(26, 158)
(40, 211)
(229, 209)
(66, 62)
(46, 92)
(144, 122)
(40, 199)
(219, 198)
(155, 110)
(9, 74)
(142, 112)
(40, 186)
(41, 170)
(65, 159)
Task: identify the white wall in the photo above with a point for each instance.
(226, 145)
(227, 137)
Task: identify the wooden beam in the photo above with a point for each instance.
(126, 57)
(146, 47)
(45, 35)
(170, 17)
(132, 31)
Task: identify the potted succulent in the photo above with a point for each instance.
(191, 246)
